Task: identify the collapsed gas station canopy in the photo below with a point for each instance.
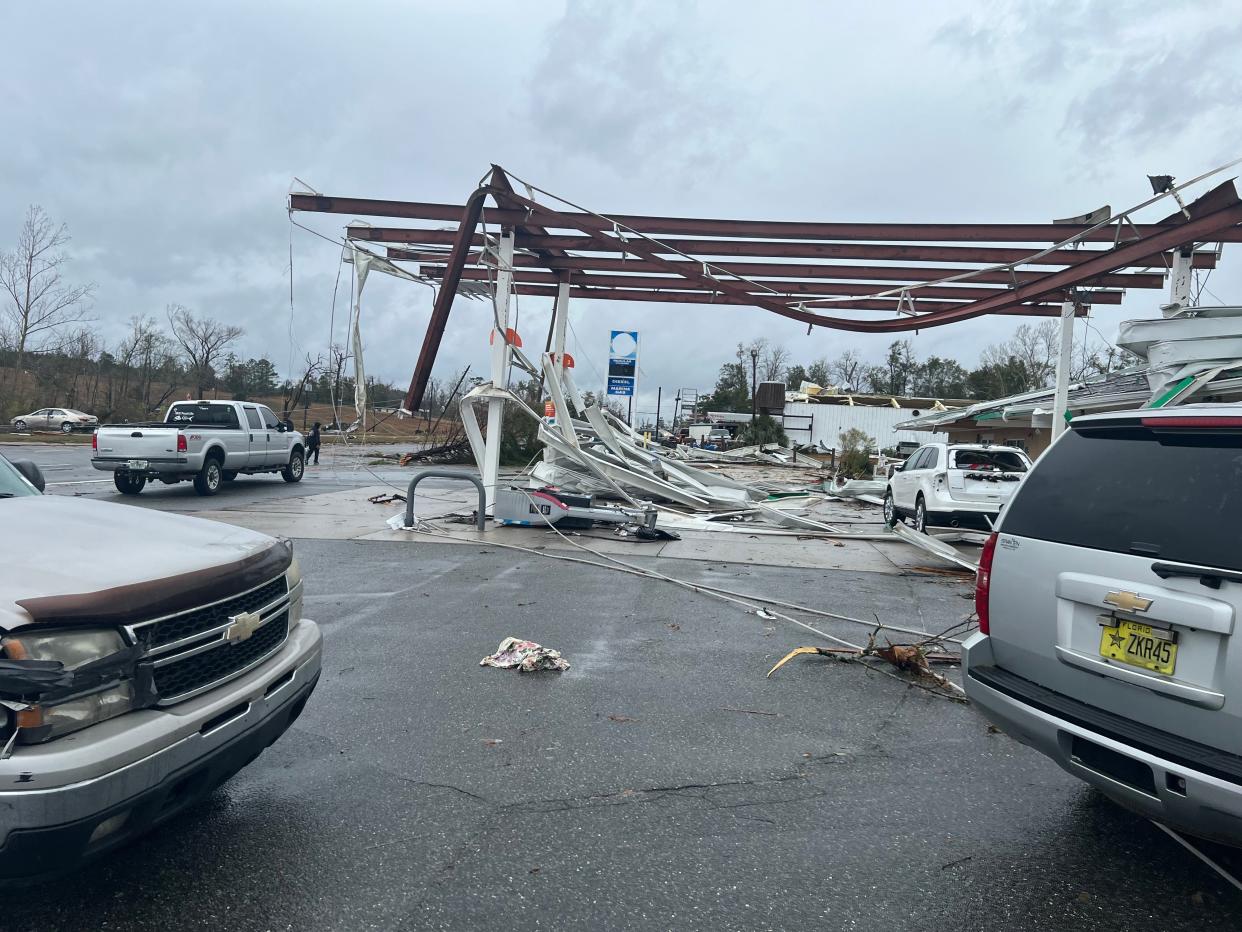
(837, 275)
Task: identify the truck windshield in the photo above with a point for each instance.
(1171, 496)
(216, 415)
(12, 483)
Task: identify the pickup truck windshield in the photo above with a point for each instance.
(12, 483)
(1171, 496)
(216, 415)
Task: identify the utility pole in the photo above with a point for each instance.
(754, 369)
(659, 393)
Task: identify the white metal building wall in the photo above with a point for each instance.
(807, 422)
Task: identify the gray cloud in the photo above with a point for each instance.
(167, 137)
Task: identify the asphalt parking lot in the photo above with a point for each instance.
(661, 783)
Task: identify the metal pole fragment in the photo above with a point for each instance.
(1063, 366)
(500, 366)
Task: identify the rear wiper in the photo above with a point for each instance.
(1207, 577)
(8, 495)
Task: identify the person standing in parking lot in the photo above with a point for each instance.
(312, 443)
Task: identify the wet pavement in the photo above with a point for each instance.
(661, 783)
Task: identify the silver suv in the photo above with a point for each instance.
(1108, 601)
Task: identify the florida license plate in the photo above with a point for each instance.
(137, 464)
(1138, 645)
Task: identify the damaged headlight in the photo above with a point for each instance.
(45, 721)
(98, 661)
(71, 647)
(293, 577)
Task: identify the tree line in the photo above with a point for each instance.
(1025, 362)
(52, 352)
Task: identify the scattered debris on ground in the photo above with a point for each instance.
(386, 499)
(527, 656)
(913, 659)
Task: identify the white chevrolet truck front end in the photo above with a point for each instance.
(145, 658)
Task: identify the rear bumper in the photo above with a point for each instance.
(1167, 778)
(51, 826)
(976, 519)
(177, 465)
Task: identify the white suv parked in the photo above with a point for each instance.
(954, 485)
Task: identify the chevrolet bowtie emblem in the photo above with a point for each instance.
(242, 626)
(1128, 601)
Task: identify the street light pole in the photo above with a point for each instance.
(754, 369)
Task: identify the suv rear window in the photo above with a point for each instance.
(216, 415)
(1167, 495)
(988, 460)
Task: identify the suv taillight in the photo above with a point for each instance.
(95, 442)
(182, 446)
(983, 582)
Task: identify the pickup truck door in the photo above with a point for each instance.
(257, 436)
(277, 442)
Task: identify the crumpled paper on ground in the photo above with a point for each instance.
(527, 656)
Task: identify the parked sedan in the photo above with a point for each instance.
(65, 420)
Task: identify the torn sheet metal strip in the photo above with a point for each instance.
(789, 519)
(935, 547)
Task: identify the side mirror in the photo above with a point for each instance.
(32, 473)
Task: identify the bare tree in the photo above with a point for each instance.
(291, 391)
(1035, 347)
(38, 301)
(203, 341)
(847, 370)
(772, 364)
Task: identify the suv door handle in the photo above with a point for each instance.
(1209, 577)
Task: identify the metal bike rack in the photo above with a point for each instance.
(444, 474)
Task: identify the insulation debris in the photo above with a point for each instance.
(527, 656)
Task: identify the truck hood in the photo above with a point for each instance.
(73, 560)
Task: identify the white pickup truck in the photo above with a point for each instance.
(209, 442)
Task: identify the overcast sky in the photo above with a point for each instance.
(167, 136)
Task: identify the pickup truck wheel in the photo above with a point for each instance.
(127, 483)
(920, 516)
(66, 428)
(209, 478)
(890, 509)
(297, 465)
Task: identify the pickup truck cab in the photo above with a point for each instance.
(207, 442)
(145, 658)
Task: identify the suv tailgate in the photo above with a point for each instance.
(1117, 576)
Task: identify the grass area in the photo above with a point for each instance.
(51, 436)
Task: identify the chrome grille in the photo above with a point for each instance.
(190, 652)
(157, 634)
(180, 677)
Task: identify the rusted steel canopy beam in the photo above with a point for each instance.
(1203, 228)
(802, 289)
(759, 229)
(1206, 228)
(469, 222)
(701, 298)
(780, 249)
(785, 270)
